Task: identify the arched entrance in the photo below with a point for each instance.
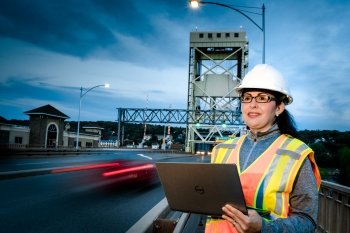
(51, 136)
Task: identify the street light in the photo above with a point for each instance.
(82, 94)
(196, 3)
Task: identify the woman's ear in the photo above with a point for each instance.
(280, 108)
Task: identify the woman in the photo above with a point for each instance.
(278, 172)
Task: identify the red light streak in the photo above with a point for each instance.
(86, 167)
(126, 170)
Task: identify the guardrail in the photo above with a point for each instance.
(334, 208)
(160, 219)
(333, 215)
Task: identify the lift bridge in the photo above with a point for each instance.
(217, 64)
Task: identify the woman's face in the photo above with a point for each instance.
(260, 116)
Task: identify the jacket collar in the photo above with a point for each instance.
(261, 135)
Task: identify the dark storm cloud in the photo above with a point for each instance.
(76, 28)
(60, 27)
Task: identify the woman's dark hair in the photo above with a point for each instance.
(285, 120)
(286, 124)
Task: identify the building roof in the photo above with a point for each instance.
(47, 110)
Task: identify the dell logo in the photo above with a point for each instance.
(199, 189)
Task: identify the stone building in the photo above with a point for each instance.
(46, 127)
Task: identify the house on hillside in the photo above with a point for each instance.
(13, 136)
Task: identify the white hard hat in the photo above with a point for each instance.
(265, 77)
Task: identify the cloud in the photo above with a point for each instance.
(63, 27)
(49, 49)
(53, 78)
(308, 45)
(85, 29)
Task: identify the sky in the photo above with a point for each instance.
(50, 49)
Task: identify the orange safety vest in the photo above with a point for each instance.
(268, 181)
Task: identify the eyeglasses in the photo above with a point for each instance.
(260, 98)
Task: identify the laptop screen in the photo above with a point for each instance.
(202, 188)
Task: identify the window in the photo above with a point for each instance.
(227, 34)
(75, 143)
(236, 34)
(210, 35)
(201, 35)
(52, 128)
(218, 35)
(18, 140)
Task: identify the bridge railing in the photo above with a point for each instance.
(334, 208)
(333, 215)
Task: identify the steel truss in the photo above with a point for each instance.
(206, 124)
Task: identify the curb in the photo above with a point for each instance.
(24, 173)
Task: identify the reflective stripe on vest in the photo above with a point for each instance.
(268, 181)
(219, 226)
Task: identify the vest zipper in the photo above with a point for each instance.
(245, 165)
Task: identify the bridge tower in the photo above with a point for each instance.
(217, 63)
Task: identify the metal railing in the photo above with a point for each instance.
(333, 214)
(334, 208)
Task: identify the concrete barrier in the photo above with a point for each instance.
(160, 219)
(145, 224)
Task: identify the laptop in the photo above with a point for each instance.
(202, 188)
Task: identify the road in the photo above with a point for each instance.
(65, 199)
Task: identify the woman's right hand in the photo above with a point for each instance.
(250, 223)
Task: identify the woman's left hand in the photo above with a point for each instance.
(243, 223)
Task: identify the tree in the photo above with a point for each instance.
(344, 165)
(322, 155)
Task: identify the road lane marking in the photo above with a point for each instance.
(147, 157)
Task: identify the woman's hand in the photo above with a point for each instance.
(243, 223)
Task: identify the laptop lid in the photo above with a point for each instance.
(202, 188)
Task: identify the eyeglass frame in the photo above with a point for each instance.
(269, 98)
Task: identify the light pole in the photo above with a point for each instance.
(163, 146)
(196, 3)
(82, 94)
